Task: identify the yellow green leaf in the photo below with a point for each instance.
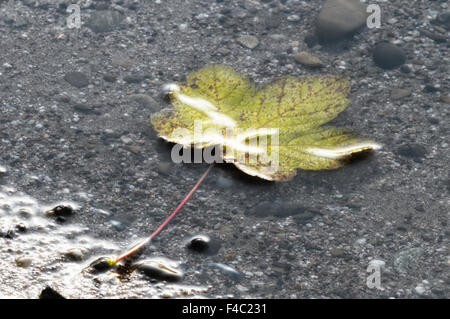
(268, 131)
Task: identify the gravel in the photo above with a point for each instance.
(310, 247)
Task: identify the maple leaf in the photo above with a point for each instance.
(253, 124)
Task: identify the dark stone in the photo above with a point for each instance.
(61, 219)
(105, 21)
(63, 99)
(203, 244)
(77, 79)
(405, 69)
(199, 243)
(224, 182)
(262, 209)
(110, 78)
(429, 88)
(228, 271)
(160, 269)
(304, 218)
(282, 265)
(84, 108)
(388, 56)
(337, 252)
(433, 120)
(10, 234)
(165, 168)
(145, 101)
(60, 211)
(413, 151)
(444, 19)
(420, 208)
(21, 228)
(50, 293)
(134, 78)
(272, 21)
(101, 264)
(117, 225)
(438, 37)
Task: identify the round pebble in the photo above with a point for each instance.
(199, 243)
(77, 79)
(101, 264)
(388, 56)
(204, 244)
(105, 21)
(248, 41)
(24, 261)
(160, 269)
(60, 211)
(308, 59)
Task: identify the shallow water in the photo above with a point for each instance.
(85, 140)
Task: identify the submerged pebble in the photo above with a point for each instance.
(105, 21)
(24, 213)
(134, 78)
(101, 264)
(308, 59)
(413, 151)
(160, 269)
(230, 272)
(110, 78)
(75, 254)
(21, 228)
(199, 243)
(117, 225)
(77, 79)
(340, 18)
(224, 182)
(445, 99)
(145, 101)
(388, 56)
(60, 211)
(397, 94)
(203, 244)
(9, 234)
(24, 261)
